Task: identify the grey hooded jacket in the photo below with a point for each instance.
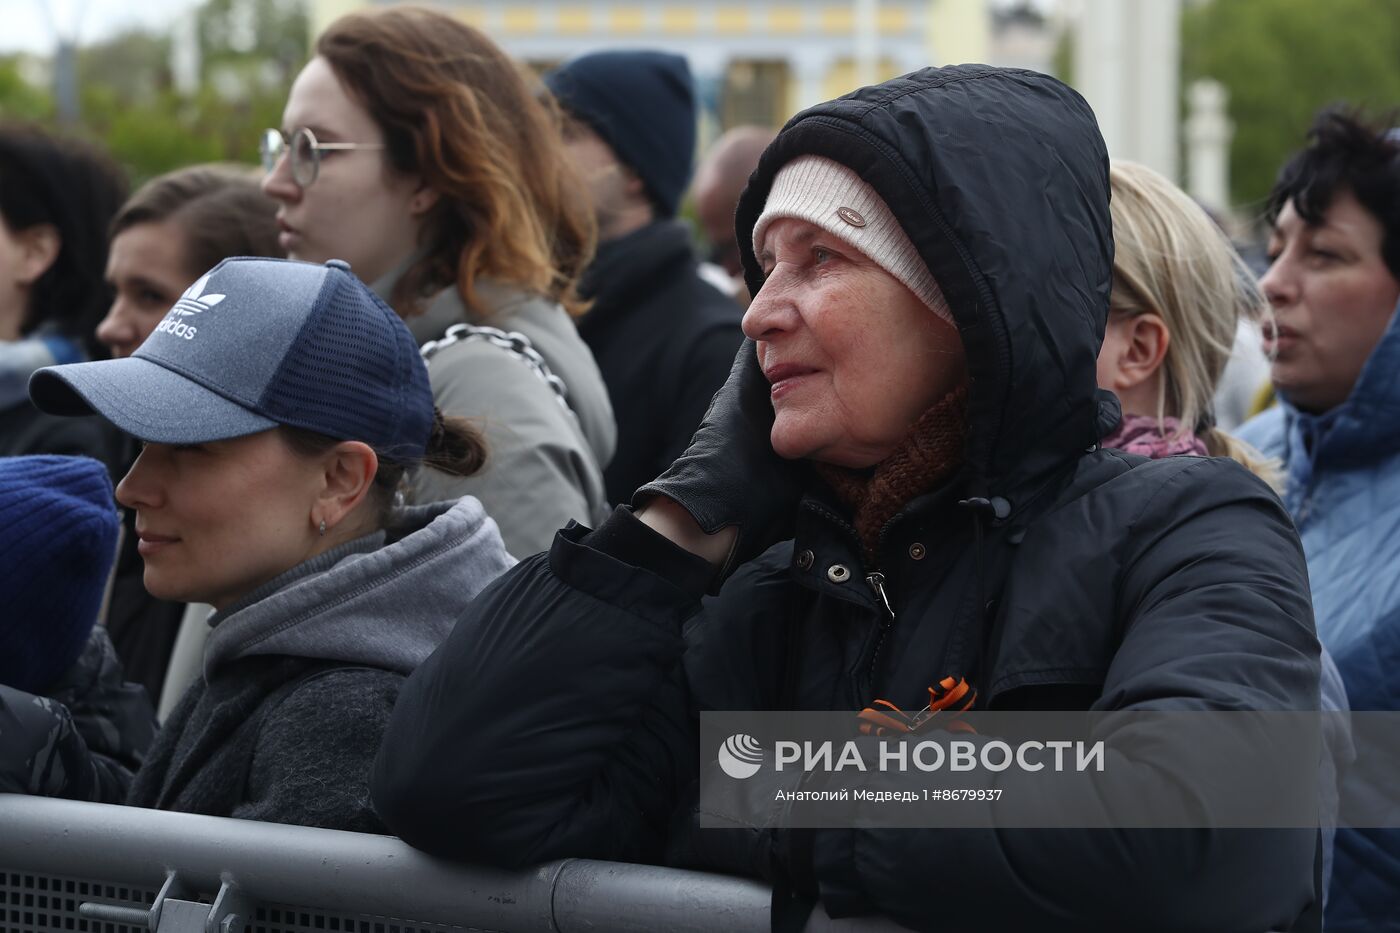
(300, 675)
(544, 461)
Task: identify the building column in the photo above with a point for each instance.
(1126, 66)
(1208, 133)
(708, 67)
(809, 70)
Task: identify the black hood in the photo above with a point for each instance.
(1000, 179)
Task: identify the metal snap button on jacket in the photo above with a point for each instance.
(916, 551)
(838, 573)
(804, 560)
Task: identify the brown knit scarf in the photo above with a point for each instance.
(929, 454)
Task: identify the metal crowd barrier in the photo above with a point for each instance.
(92, 867)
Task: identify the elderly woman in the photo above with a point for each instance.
(1334, 285)
(917, 411)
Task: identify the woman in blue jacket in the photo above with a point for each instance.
(1334, 284)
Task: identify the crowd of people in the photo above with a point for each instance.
(491, 485)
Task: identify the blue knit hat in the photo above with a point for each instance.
(643, 105)
(59, 543)
(255, 343)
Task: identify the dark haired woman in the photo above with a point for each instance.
(172, 229)
(56, 198)
(414, 149)
(280, 511)
(168, 233)
(1334, 286)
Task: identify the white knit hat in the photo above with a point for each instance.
(831, 196)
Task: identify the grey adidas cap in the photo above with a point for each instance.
(253, 344)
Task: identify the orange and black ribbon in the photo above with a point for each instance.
(947, 701)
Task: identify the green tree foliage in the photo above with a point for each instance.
(1281, 61)
(171, 130)
(19, 100)
(129, 68)
(249, 51)
(271, 36)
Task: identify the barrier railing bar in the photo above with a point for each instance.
(358, 873)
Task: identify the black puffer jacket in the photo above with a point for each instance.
(1056, 575)
(83, 738)
(664, 340)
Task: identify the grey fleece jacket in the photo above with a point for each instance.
(300, 676)
(544, 465)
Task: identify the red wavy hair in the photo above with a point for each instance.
(455, 110)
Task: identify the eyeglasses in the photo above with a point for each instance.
(305, 152)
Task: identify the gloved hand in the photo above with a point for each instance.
(37, 747)
(729, 475)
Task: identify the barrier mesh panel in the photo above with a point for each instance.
(31, 903)
(278, 918)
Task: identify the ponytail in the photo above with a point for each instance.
(455, 446)
(1220, 444)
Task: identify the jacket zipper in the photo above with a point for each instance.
(876, 579)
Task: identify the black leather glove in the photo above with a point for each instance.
(729, 475)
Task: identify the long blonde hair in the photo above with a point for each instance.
(1172, 259)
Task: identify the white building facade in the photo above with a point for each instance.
(754, 62)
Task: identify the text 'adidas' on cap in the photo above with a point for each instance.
(253, 344)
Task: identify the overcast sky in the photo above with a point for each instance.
(28, 25)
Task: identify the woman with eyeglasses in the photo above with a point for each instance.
(413, 148)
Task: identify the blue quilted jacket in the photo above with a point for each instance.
(1343, 489)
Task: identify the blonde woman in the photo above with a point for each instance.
(1179, 293)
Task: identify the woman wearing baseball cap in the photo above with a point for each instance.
(280, 404)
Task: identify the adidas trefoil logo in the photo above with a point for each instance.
(192, 302)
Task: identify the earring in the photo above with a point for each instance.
(323, 527)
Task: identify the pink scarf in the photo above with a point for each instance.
(1142, 434)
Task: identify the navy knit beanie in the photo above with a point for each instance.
(643, 105)
(59, 541)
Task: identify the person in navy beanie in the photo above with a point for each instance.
(69, 725)
(58, 547)
(642, 104)
(664, 338)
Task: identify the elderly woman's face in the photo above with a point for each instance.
(1333, 297)
(853, 356)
